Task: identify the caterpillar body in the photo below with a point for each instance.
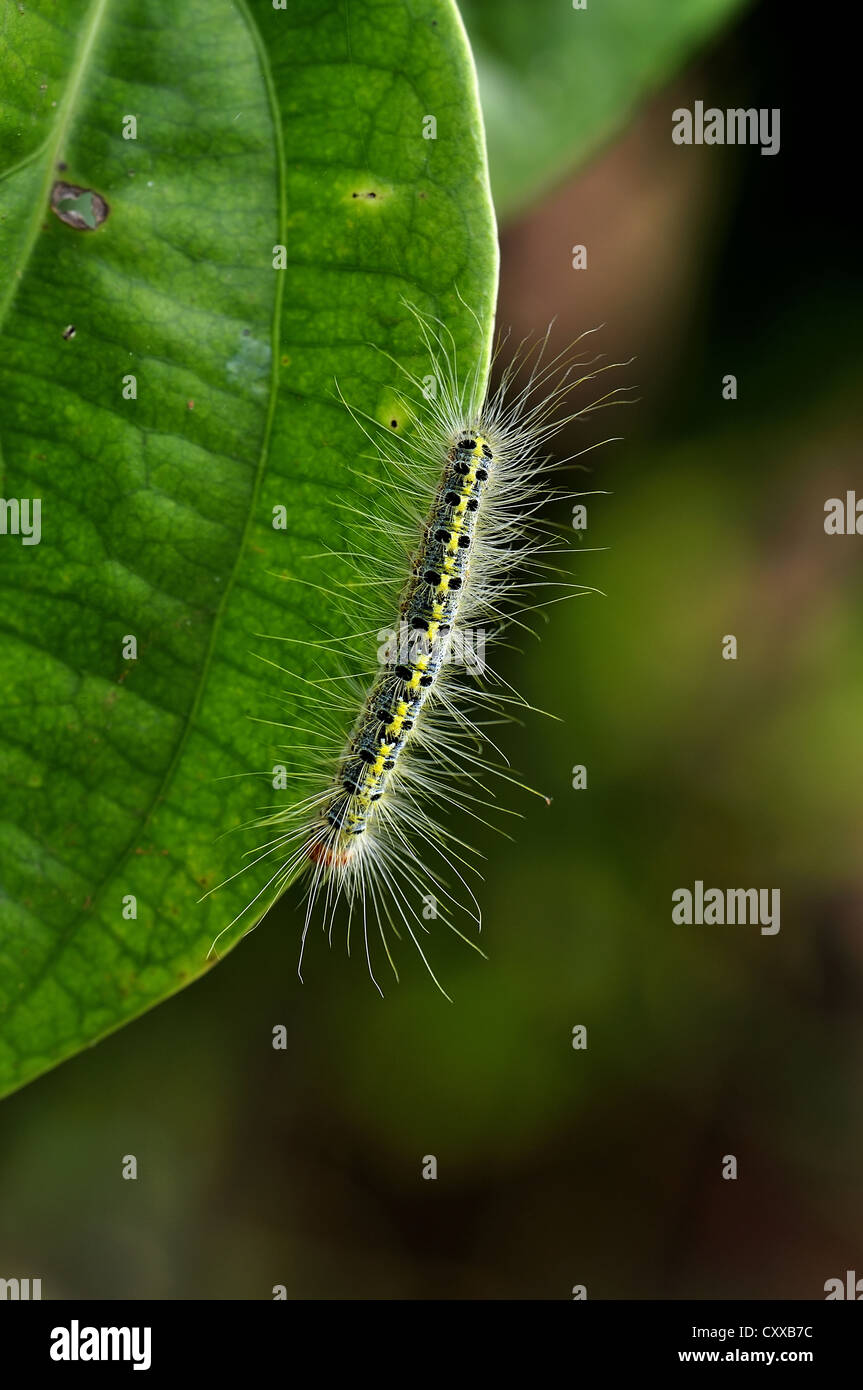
(378, 834)
(395, 703)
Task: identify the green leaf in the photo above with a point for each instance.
(556, 82)
(256, 127)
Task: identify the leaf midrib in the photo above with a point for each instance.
(63, 937)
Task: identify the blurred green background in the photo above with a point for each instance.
(558, 1167)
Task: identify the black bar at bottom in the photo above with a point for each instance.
(82, 1339)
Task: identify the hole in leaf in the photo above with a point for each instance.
(81, 208)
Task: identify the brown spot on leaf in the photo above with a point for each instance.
(81, 208)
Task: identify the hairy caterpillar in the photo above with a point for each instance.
(401, 746)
